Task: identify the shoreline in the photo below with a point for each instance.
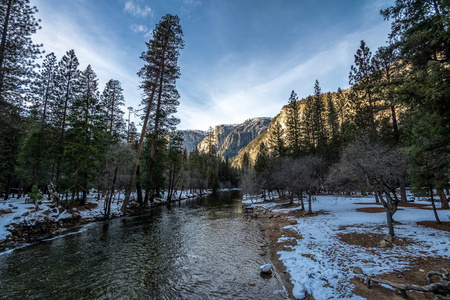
(26, 229)
(319, 255)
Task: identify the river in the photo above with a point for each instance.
(205, 248)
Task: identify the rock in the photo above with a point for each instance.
(266, 269)
(432, 234)
(383, 244)
(262, 253)
(400, 241)
(16, 218)
(251, 283)
(293, 222)
(8, 210)
(15, 207)
(10, 205)
(357, 270)
(388, 237)
(342, 228)
(25, 214)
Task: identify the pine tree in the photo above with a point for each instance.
(111, 101)
(309, 135)
(318, 120)
(293, 130)
(67, 83)
(174, 163)
(160, 69)
(85, 137)
(276, 141)
(420, 35)
(17, 51)
(364, 98)
(17, 62)
(40, 135)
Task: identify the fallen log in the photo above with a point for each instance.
(440, 288)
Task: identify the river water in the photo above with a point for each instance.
(199, 249)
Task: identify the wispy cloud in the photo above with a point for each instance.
(139, 28)
(61, 33)
(261, 88)
(137, 10)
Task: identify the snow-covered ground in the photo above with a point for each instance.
(322, 265)
(16, 211)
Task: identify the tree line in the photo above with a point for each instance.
(60, 132)
(390, 130)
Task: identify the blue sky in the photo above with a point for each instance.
(242, 58)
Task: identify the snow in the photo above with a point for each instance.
(25, 213)
(266, 268)
(322, 265)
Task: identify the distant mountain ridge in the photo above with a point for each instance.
(191, 138)
(228, 139)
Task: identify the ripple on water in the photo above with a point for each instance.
(198, 250)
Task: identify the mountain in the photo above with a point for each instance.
(339, 100)
(192, 138)
(230, 139)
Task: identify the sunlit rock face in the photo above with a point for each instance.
(252, 148)
(230, 139)
(192, 138)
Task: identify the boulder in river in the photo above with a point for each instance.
(266, 269)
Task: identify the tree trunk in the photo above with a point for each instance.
(403, 197)
(434, 206)
(309, 204)
(440, 191)
(138, 186)
(389, 214)
(108, 211)
(140, 145)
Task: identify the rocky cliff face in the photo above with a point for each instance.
(252, 148)
(230, 139)
(192, 138)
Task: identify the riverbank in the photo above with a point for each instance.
(21, 223)
(320, 255)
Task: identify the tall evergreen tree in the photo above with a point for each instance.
(420, 31)
(364, 98)
(85, 138)
(111, 101)
(160, 69)
(276, 140)
(17, 51)
(293, 130)
(67, 83)
(17, 62)
(318, 119)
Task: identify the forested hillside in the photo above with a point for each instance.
(388, 131)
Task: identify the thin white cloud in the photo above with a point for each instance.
(136, 10)
(61, 33)
(139, 28)
(261, 88)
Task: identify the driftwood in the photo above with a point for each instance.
(440, 288)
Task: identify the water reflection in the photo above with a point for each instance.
(202, 249)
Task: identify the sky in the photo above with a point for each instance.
(241, 60)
